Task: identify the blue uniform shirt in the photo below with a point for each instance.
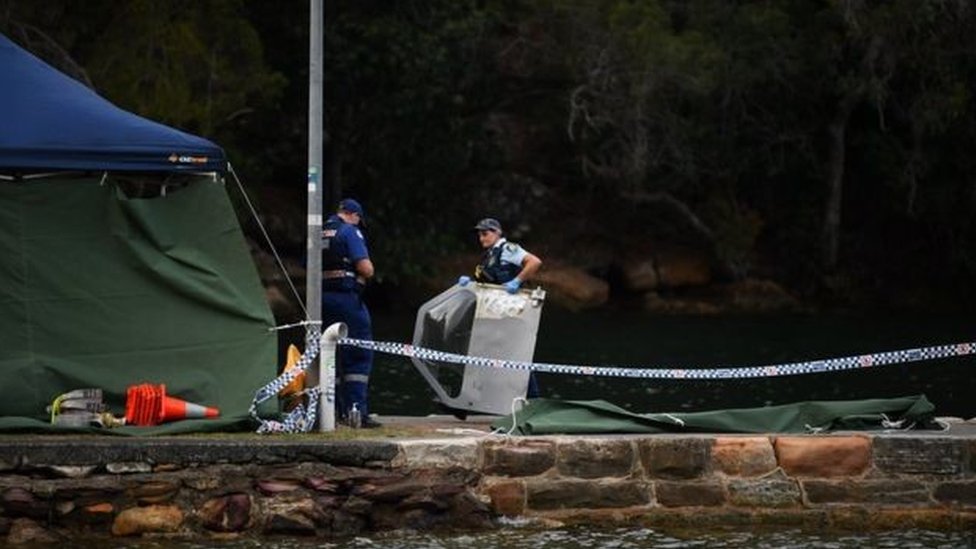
(511, 252)
(343, 245)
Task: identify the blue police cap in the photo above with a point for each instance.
(489, 224)
(351, 205)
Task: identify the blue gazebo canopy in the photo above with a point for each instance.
(51, 122)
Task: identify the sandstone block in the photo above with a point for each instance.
(675, 458)
(823, 456)
(424, 501)
(128, 467)
(357, 506)
(743, 456)
(205, 483)
(96, 513)
(876, 492)
(595, 458)
(680, 267)
(63, 508)
(438, 453)
(321, 484)
(519, 459)
(639, 274)
(468, 511)
(655, 303)
(573, 287)
(25, 531)
(289, 525)
(960, 493)
(972, 456)
(764, 493)
(290, 517)
(19, 502)
(507, 497)
(153, 518)
(937, 456)
(446, 490)
(270, 487)
(153, 491)
(758, 296)
(542, 495)
(689, 494)
(392, 493)
(230, 513)
(73, 471)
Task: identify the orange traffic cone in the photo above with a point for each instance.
(148, 404)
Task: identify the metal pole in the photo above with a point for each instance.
(313, 282)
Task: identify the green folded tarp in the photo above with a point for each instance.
(101, 290)
(549, 417)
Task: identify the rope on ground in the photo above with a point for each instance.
(516, 402)
(773, 370)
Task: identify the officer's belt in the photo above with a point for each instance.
(337, 274)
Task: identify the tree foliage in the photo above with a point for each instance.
(408, 86)
(822, 143)
(195, 65)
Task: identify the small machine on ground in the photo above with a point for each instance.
(479, 320)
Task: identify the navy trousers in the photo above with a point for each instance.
(354, 364)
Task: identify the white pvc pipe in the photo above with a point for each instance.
(327, 375)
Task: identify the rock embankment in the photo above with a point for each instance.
(69, 488)
(668, 281)
(843, 481)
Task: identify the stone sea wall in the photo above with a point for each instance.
(58, 489)
(850, 481)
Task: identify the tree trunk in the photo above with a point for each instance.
(836, 154)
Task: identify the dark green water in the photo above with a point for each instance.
(643, 340)
(519, 537)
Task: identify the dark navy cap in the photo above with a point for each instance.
(352, 206)
(489, 224)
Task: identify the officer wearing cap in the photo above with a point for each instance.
(504, 263)
(345, 269)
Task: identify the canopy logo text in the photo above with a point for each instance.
(186, 159)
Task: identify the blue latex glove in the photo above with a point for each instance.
(464, 280)
(513, 285)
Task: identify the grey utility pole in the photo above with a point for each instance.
(313, 275)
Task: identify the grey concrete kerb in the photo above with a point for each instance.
(80, 451)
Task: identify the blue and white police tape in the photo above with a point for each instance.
(302, 418)
(773, 370)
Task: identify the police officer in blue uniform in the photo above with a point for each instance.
(505, 263)
(346, 267)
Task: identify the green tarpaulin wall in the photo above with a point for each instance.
(549, 417)
(101, 290)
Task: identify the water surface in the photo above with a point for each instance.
(516, 537)
(636, 339)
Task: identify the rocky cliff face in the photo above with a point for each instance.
(666, 280)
